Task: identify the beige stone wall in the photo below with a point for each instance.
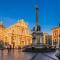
(18, 33)
(45, 38)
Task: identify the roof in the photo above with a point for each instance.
(56, 27)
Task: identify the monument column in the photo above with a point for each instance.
(37, 35)
(36, 18)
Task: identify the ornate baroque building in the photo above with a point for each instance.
(56, 36)
(2, 28)
(17, 35)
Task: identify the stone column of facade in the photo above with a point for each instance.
(58, 40)
(52, 40)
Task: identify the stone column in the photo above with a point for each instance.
(58, 40)
(52, 40)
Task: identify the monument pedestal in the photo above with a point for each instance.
(37, 38)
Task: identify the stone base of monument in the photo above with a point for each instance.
(38, 49)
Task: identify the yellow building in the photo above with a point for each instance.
(47, 38)
(55, 36)
(17, 35)
(2, 28)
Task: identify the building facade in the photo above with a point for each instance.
(17, 35)
(47, 39)
(56, 36)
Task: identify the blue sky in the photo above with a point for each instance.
(49, 13)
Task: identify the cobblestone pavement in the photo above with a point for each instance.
(18, 55)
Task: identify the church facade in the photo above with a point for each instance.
(17, 36)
